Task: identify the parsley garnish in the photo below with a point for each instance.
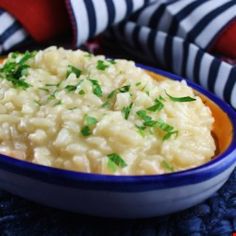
(74, 70)
(112, 61)
(141, 130)
(101, 65)
(85, 131)
(89, 122)
(124, 89)
(96, 87)
(114, 161)
(166, 128)
(180, 99)
(70, 88)
(126, 111)
(14, 71)
(167, 166)
(81, 92)
(157, 106)
(143, 115)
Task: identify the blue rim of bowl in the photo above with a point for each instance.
(98, 182)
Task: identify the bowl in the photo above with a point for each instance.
(129, 196)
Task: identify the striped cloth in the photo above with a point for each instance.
(179, 35)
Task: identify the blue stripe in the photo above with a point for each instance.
(9, 31)
(197, 64)
(151, 43)
(199, 27)
(229, 84)
(168, 47)
(91, 17)
(111, 11)
(185, 58)
(135, 38)
(129, 7)
(214, 69)
(155, 18)
(175, 21)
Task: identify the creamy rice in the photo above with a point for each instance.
(82, 112)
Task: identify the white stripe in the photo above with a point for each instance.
(233, 96)
(101, 15)
(6, 20)
(120, 9)
(147, 13)
(205, 65)
(170, 12)
(82, 22)
(14, 39)
(137, 4)
(192, 19)
(177, 54)
(213, 28)
(129, 28)
(159, 43)
(222, 78)
(191, 60)
(143, 37)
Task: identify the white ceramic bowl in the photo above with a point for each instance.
(126, 196)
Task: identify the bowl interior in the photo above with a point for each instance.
(222, 128)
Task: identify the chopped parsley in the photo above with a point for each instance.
(124, 89)
(143, 115)
(81, 92)
(141, 130)
(15, 69)
(114, 161)
(85, 131)
(59, 102)
(157, 106)
(74, 70)
(45, 89)
(180, 99)
(96, 87)
(166, 128)
(89, 122)
(126, 111)
(167, 166)
(70, 88)
(138, 83)
(101, 65)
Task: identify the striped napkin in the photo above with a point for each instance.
(192, 38)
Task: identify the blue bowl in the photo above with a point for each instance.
(124, 196)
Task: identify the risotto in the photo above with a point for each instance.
(73, 110)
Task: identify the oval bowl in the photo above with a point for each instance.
(129, 196)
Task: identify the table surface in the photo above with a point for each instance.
(215, 216)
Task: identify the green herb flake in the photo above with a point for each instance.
(59, 102)
(167, 166)
(126, 111)
(169, 134)
(89, 120)
(85, 131)
(101, 65)
(157, 106)
(106, 105)
(141, 130)
(112, 94)
(180, 99)
(143, 115)
(138, 83)
(96, 87)
(124, 89)
(70, 88)
(51, 85)
(117, 161)
(74, 70)
(14, 70)
(81, 92)
(45, 89)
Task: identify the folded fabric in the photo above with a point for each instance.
(184, 36)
